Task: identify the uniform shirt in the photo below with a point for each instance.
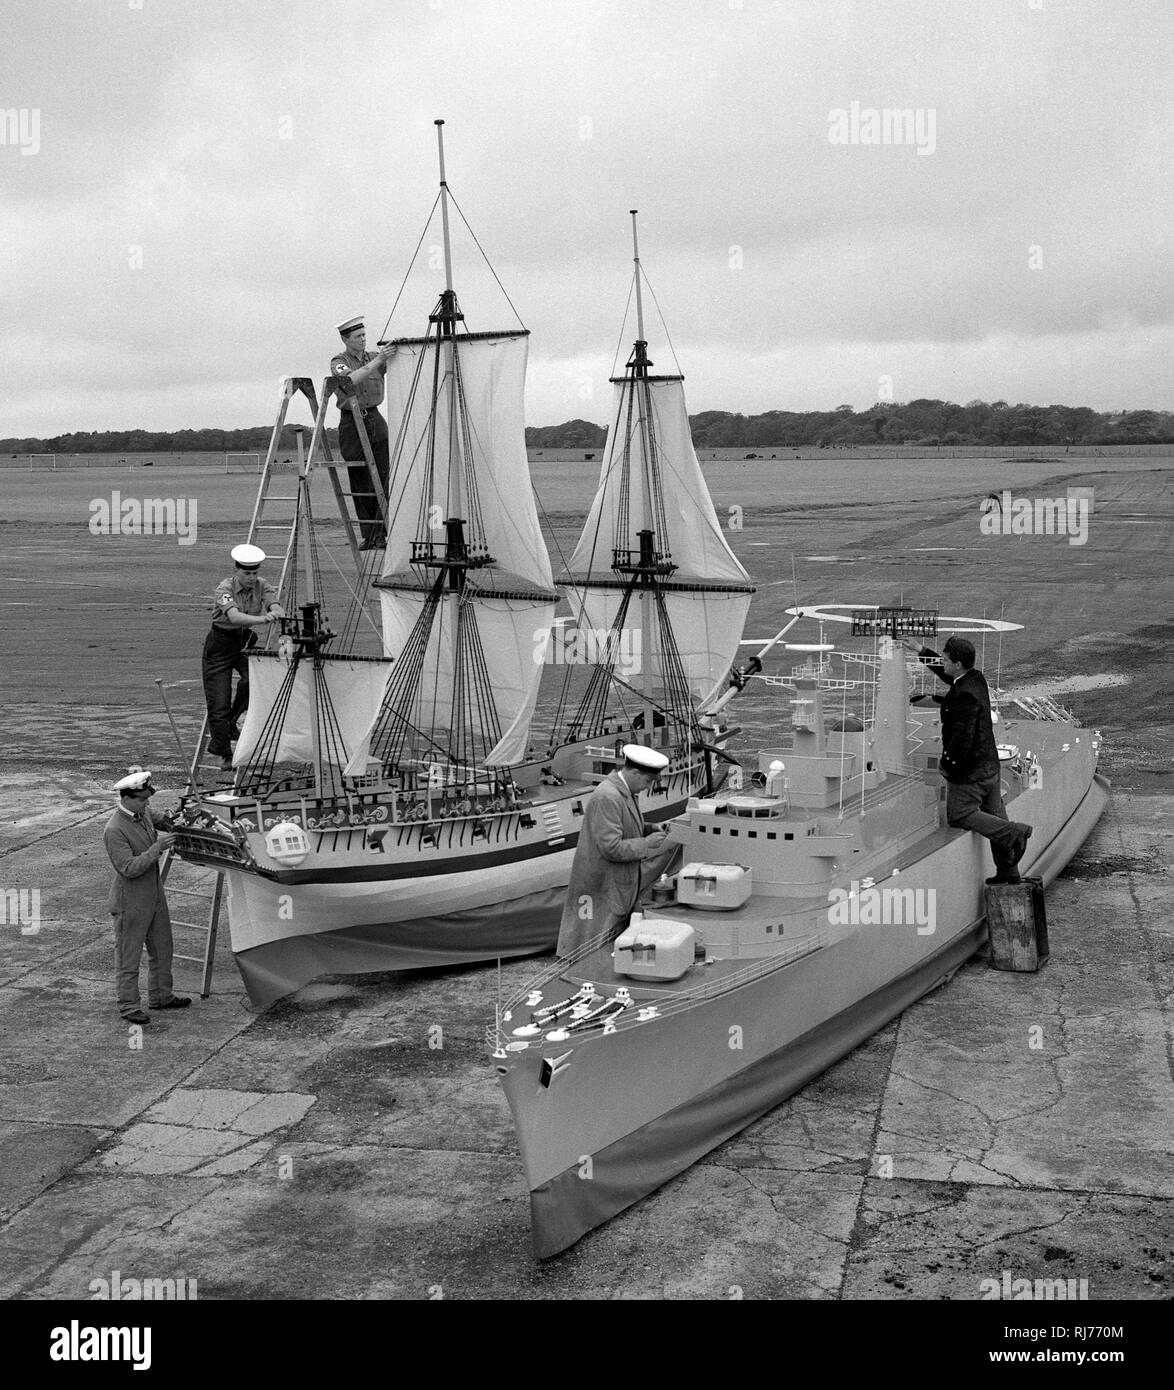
(369, 391)
(248, 592)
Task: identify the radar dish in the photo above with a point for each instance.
(842, 613)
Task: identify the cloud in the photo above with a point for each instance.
(218, 184)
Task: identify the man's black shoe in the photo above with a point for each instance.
(1020, 847)
(177, 1001)
(137, 1017)
(1012, 877)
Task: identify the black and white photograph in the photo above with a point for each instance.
(586, 604)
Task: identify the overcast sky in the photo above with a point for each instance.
(193, 194)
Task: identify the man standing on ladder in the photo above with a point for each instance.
(243, 601)
(358, 380)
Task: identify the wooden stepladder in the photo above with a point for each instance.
(211, 894)
(318, 455)
(211, 890)
(290, 503)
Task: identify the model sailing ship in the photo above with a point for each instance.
(813, 907)
(400, 812)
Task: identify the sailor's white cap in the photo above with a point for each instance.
(648, 759)
(136, 782)
(348, 326)
(248, 555)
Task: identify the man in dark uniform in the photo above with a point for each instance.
(358, 382)
(970, 756)
(243, 601)
(137, 902)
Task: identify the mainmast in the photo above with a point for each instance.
(446, 318)
(651, 562)
(647, 566)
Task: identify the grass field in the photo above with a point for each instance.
(88, 622)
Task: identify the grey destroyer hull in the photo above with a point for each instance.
(604, 1120)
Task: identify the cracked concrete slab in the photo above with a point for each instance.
(33, 1157)
(942, 1240)
(994, 1080)
(73, 1060)
(402, 1177)
(203, 1133)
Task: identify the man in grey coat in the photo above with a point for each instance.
(615, 845)
(137, 901)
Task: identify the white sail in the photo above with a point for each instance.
(661, 489)
(706, 626)
(512, 640)
(433, 459)
(355, 688)
(693, 534)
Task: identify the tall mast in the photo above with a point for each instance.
(444, 209)
(639, 299)
(447, 319)
(649, 541)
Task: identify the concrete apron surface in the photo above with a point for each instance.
(353, 1142)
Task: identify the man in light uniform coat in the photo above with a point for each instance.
(137, 902)
(617, 852)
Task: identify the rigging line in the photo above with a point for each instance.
(616, 461)
(484, 257)
(663, 325)
(476, 535)
(404, 461)
(362, 607)
(655, 481)
(549, 526)
(428, 493)
(412, 262)
(623, 326)
(712, 526)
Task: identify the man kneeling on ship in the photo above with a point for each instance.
(970, 756)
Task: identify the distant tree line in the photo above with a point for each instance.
(930, 422)
(924, 422)
(920, 422)
(248, 441)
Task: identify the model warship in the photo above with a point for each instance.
(403, 811)
(814, 905)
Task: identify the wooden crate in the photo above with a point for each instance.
(1018, 924)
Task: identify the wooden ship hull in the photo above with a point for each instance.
(378, 892)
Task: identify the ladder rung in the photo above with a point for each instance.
(191, 892)
(196, 960)
(192, 926)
